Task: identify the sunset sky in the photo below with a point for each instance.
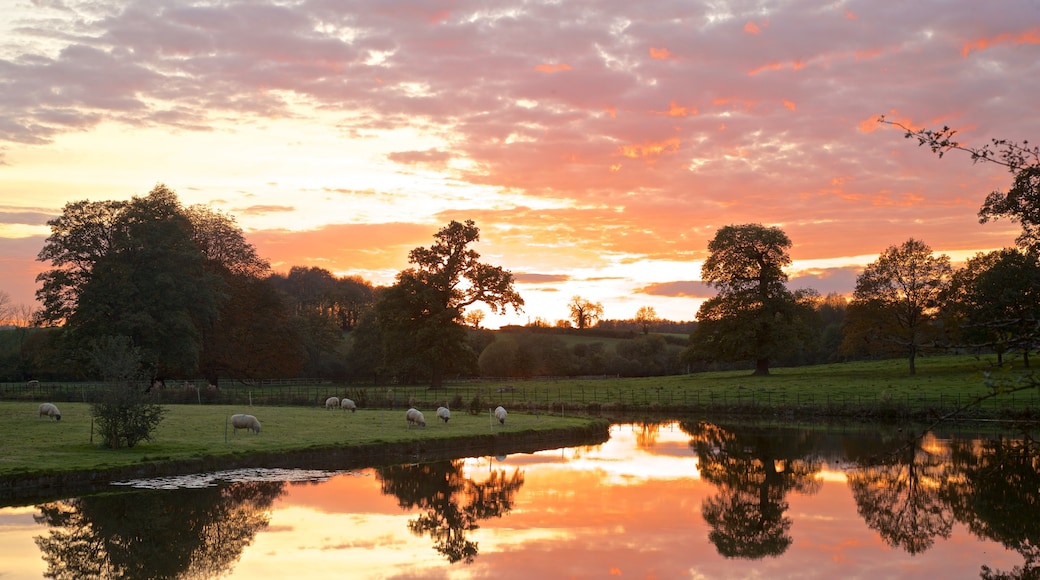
(597, 145)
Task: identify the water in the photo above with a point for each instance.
(676, 500)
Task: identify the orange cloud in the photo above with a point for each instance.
(752, 28)
(850, 15)
(674, 110)
(651, 149)
(552, 68)
(1031, 36)
(793, 65)
(660, 53)
(790, 105)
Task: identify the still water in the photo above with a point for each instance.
(674, 500)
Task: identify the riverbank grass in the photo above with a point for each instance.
(33, 444)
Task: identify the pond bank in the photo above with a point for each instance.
(32, 488)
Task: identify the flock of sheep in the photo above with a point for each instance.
(242, 421)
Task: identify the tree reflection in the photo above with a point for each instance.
(897, 493)
(186, 533)
(754, 470)
(453, 503)
(995, 491)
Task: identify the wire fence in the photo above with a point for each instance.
(592, 399)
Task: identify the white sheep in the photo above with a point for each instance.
(414, 416)
(443, 413)
(241, 421)
(50, 410)
(347, 404)
(500, 414)
(332, 403)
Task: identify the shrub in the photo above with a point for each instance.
(125, 416)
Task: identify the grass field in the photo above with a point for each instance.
(293, 417)
(30, 443)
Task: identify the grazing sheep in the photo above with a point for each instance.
(414, 416)
(500, 414)
(346, 404)
(332, 403)
(241, 421)
(49, 410)
(443, 413)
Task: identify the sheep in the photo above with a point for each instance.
(346, 404)
(332, 403)
(500, 414)
(443, 413)
(414, 416)
(241, 421)
(50, 410)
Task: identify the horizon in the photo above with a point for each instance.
(598, 147)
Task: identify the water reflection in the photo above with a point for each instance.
(754, 471)
(681, 499)
(452, 503)
(154, 534)
(897, 491)
(995, 490)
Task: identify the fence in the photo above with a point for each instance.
(597, 397)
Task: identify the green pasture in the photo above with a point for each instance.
(941, 383)
(29, 443)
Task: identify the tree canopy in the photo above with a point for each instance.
(155, 273)
(754, 316)
(897, 299)
(422, 314)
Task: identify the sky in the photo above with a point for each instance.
(597, 145)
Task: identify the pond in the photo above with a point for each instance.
(688, 499)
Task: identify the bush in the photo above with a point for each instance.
(124, 415)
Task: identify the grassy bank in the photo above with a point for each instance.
(863, 390)
(31, 444)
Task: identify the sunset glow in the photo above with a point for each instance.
(597, 148)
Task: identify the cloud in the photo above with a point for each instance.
(576, 142)
(264, 209)
(539, 278)
(684, 288)
(429, 156)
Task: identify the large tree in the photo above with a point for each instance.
(152, 271)
(754, 316)
(897, 301)
(131, 269)
(422, 313)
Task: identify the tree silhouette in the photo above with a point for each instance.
(897, 494)
(995, 491)
(754, 316)
(754, 471)
(421, 315)
(185, 533)
(453, 504)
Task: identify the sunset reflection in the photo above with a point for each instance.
(675, 500)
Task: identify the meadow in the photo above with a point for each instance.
(33, 444)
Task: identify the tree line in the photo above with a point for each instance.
(149, 289)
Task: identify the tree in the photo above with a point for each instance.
(993, 302)
(897, 300)
(584, 313)
(1021, 202)
(474, 318)
(754, 316)
(646, 316)
(422, 313)
(131, 269)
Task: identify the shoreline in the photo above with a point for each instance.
(30, 488)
